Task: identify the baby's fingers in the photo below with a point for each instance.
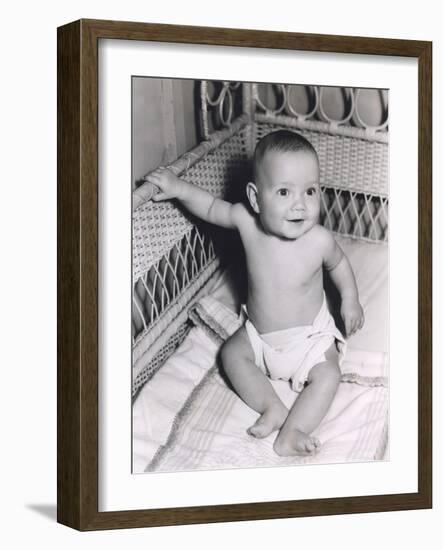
(352, 329)
(157, 174)
(152, 178)
(351, 326)
(348, 326)
(357, 324)
(158, 171)
(158, 195)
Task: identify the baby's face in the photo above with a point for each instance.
(288, 194)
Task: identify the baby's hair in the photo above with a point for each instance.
(282, 141)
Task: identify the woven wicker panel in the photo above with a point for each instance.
(158, 226)
(356, 164)
(166, 351)
(169, 279)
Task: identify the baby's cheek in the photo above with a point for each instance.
(316, 212)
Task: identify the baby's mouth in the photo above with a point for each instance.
(297, 220)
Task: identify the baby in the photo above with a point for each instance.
(288, 331)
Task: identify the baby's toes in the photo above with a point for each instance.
(312, 445)
(309, 447)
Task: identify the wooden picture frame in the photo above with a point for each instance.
(77, 455)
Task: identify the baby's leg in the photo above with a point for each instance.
(310, 408)
(252, 385)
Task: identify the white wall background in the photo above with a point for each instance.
(28, 248)
(164, 125)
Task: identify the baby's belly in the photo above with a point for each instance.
(272, 311)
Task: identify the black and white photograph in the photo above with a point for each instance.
(260, 275)
(195, 181)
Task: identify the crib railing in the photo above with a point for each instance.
(174, 257)
(173, 254)
(218, 105)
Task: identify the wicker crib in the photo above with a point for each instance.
(174, 256)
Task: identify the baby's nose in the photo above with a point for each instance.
(298, 203)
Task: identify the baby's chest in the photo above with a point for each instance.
(283, 263)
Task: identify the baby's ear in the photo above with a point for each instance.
(251, 192)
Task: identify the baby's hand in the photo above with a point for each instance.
(352, 315)
(168, 184)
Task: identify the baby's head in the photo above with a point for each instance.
(286, 192)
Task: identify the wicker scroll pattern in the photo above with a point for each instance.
(219, 101)
(352, 117)
(219, 106)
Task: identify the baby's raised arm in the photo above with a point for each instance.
(198, 201)
(342, 275)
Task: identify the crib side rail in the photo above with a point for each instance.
(173, 253)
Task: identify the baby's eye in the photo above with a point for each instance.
(311, 191)
(283, 192)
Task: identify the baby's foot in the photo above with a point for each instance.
(296, 443)
(272, 419)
